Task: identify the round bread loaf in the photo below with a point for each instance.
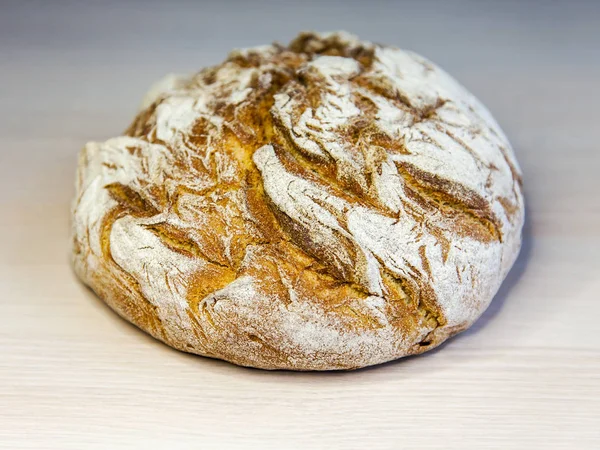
(331, 204)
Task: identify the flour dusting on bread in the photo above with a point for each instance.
(330, 204)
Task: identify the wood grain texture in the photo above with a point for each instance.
(74, 375)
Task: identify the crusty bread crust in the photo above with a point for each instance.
(331, 204)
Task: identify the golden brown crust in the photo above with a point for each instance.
(326, 205)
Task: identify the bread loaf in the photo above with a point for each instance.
(330, 204)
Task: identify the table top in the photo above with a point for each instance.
(74, 375)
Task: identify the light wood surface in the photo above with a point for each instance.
(73, 375)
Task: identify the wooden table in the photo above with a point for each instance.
(73, 375)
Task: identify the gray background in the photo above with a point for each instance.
(89, 62)
(73, 375)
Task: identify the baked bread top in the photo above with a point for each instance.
(330, 204)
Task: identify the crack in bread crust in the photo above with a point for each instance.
(329, 204)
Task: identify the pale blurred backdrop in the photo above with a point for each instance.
(74, 375)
